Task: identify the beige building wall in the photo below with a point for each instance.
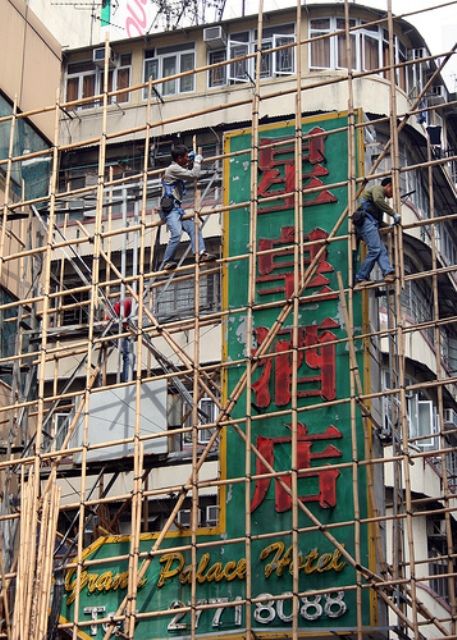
(31, 62)
(370, 92)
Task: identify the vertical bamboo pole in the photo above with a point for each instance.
(4, 596)
(138, 462)
(194, 413)
(298, 276)
(46, 287)
(394, 132)
(252, 270)
(437, 341)
(351, 194)
(94, 297)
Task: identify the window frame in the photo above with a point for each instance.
(245, 42)
(359, 37)
(97, 73)
(171, 304)
(417, 406)
(178, 83)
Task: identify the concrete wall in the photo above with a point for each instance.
(370, 92)
(31, 62)
(72, 26)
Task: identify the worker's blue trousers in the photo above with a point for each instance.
(176, 225)
(377, 252)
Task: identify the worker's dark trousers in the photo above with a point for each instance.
(368, 231)
(176, 225)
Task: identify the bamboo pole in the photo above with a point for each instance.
(299, 268)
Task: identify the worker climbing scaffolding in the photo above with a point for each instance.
(185, 166)
(368, 219)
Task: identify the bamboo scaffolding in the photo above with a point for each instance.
(40, 470)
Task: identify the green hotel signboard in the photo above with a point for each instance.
(323, 434)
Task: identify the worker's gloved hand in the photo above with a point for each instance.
(397, 218)
(198, 158)
(191, 155)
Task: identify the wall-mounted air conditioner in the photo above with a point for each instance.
(214, 37)
(98, 57)
(184, 518)
(450, 418)
(212, 515)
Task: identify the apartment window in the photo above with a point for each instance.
(321, 51)
(81, 86)
(389, 410)
(60, 428)
(84, 80)
(451, 464)
(449, 349)
(402, 54)
(278, 63)
(208, 413)
(238, 46)
(177, 300)
(369, 47)
(217, 75)
(72, 308)
(169, 61)
(448, 244)
(437, 552)
(416, 297)
(8, 322)
(416, 73)
(179, 414)
(423, 422)
(417, 182)
(422, 415)
(440, 585)
(342, 58)
(118, 78)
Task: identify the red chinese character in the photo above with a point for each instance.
(277, 164)
(327, 477)
(320, 197)
(275, 266)
(322, 356)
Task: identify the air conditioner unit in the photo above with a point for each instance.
(98, 57)
(184, 518)
(450, 418)
(214, 37)
(212, 515)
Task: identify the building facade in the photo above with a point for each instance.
(249, 448)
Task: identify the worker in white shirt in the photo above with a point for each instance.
(171, 211)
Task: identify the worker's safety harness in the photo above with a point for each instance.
(365, 208)
(168, 201)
